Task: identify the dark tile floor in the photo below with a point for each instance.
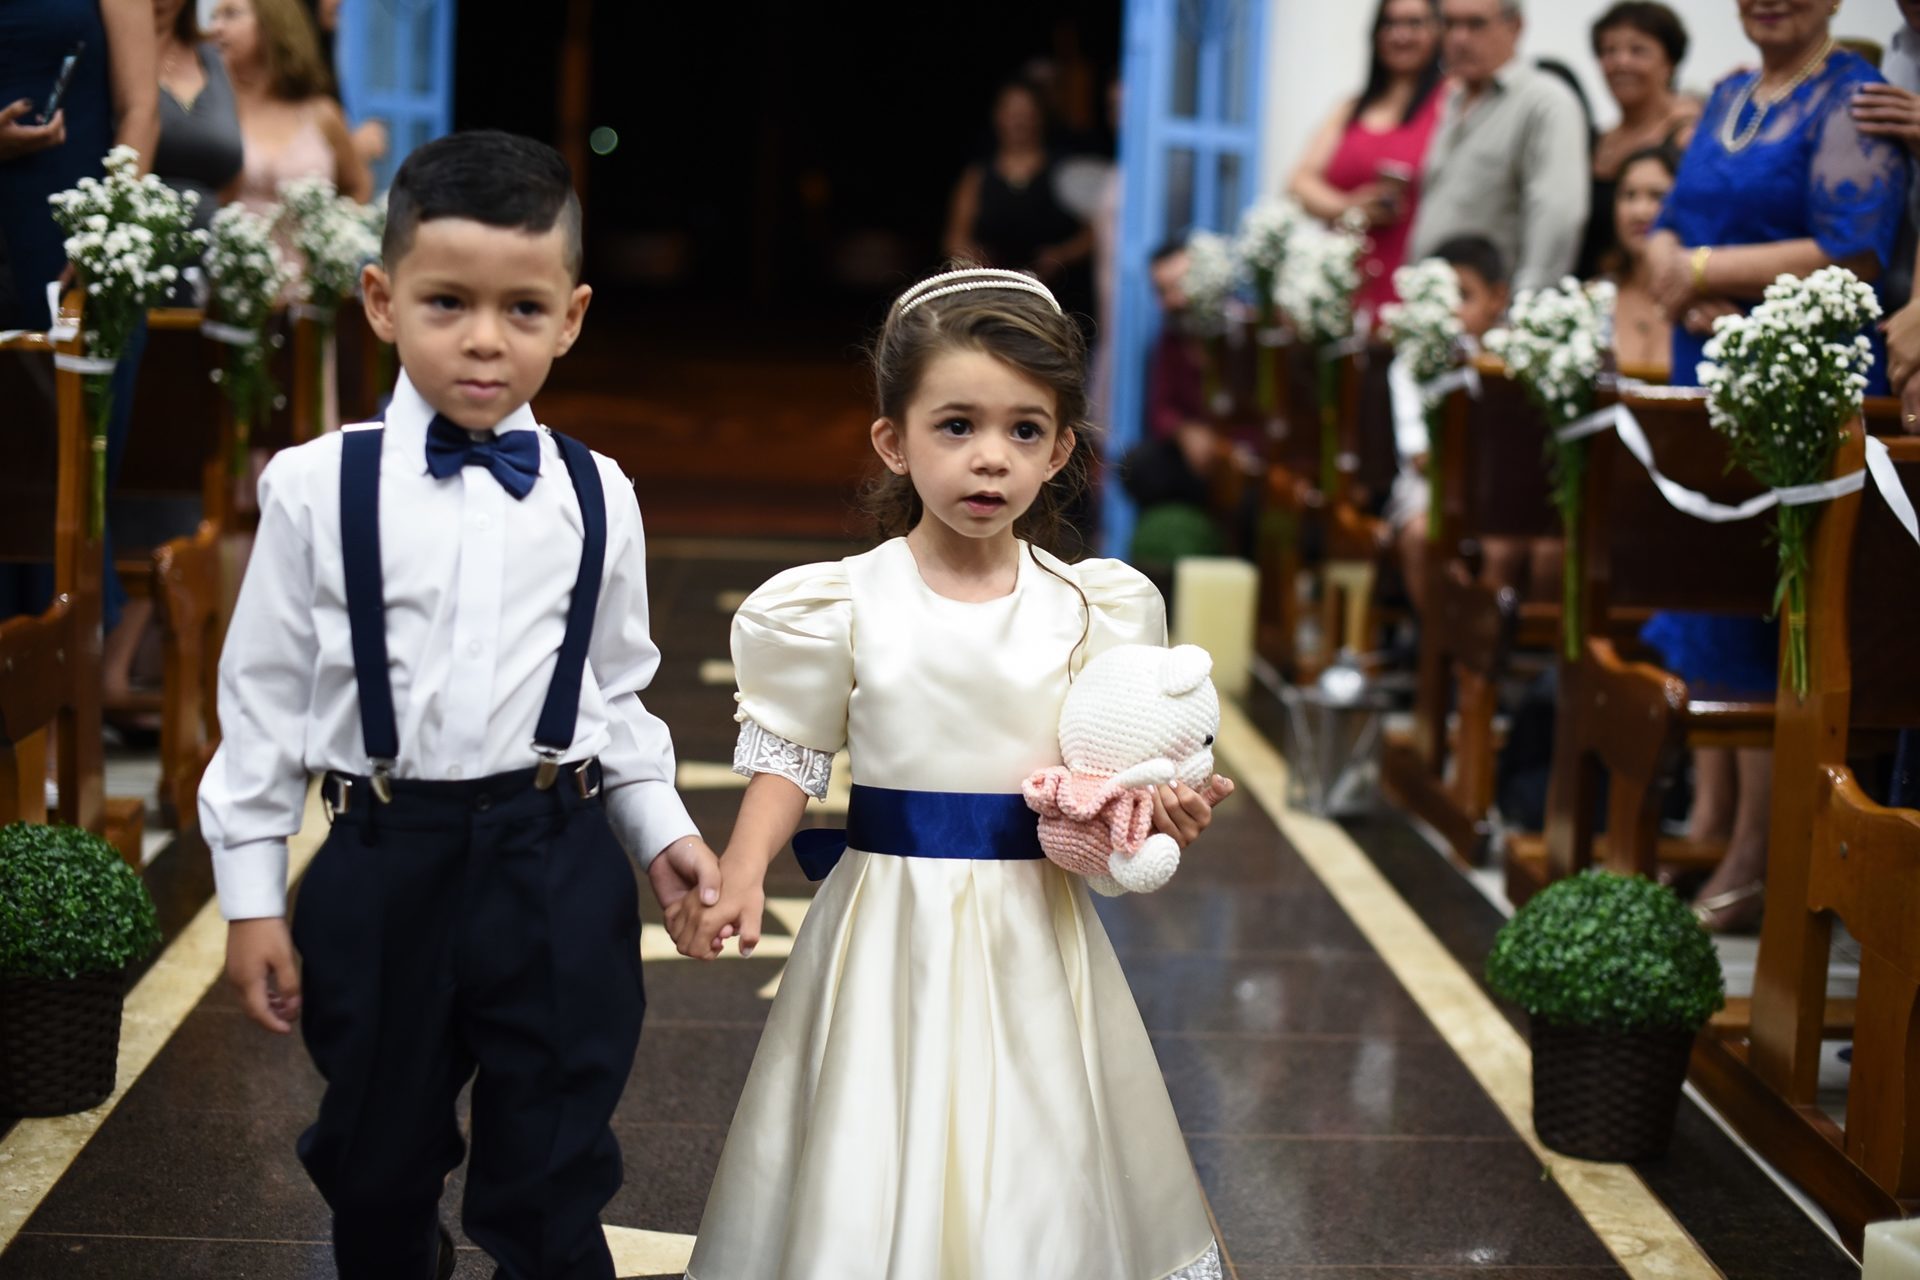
(1336, 1135)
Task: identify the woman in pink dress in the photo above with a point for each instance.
(1367, 156)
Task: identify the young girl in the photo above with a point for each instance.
(954, 1083)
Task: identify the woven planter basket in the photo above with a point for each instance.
(59, 1043)
(1606, 1096)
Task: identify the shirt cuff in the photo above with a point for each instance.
(647, 817)
(758, 751)
(251, 879)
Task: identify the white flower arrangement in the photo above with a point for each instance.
(1267, 231)
(1424, 326)
(1212, 278)
(1556, 344)
(129, 238)
(1783, 382)
(1317, 282)
(247, 274)
(336, 235)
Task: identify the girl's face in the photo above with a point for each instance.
(1643, 189)
(1635, 64)
(1016, 119)
(1785, 26)
(979, 439)
(235, 31)
(1409, 36)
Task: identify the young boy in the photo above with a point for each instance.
(445, 618)
(1484, 295)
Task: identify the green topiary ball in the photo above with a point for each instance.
(68, 905)
(1611, 953)
(1170, 532)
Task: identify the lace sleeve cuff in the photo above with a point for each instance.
(757, 751)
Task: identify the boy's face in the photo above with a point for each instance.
(1481, 304)
(479, 314)
(1170, 281)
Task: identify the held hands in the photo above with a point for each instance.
(700, 930)
(1183, 813)
(20, 137)
(685, 874)
(261, 967)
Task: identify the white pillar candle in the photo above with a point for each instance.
(1214, 603)
(1893, 1251)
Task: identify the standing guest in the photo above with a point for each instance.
(370, 137)
(1892, 111)
(291, 124)
(1006, 212)
(1366, 158)
(200, 144)
(1640, 45)
(1509, 161)
(1642, 333)
(1780, 180)
(472, 914)
(110, 101)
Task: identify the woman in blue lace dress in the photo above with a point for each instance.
(1779, 180)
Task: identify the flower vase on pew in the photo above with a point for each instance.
(1316, 288)
(1212, 277)
(128, 238)
(247, 274)
(1267, 229)
(337, 236)
(1556, 347)
(1783, 383)
(1424, 328)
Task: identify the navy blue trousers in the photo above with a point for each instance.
(469, 930)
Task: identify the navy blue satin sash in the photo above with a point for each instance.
(925, 824)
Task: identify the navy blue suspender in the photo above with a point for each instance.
(366, 605)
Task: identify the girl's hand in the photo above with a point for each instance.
(701, 933)
(1183, 813)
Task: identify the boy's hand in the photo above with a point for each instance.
(743, 898)
(684, 867)
(261, 967)
(1183, 813)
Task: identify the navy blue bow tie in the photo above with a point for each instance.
(514, 458)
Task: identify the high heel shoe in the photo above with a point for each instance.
(1737, 910)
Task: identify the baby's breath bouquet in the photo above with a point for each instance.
(337, 236)
(128, 238)
(248, 273)
(1267, 229)
(1212, 277)
(1316, 287)
(1782, 384)
(1424, 328)
(1555, 345)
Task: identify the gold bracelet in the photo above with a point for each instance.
(1699, 261)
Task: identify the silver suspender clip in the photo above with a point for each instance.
(549, 771)
(382, 779)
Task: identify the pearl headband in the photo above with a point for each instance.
(971, 278)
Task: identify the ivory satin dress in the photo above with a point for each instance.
(954, 1082)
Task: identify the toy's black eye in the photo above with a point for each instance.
(1208, 742)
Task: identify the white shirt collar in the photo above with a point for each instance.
(409, 412)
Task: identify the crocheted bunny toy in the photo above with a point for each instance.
(1137, 717)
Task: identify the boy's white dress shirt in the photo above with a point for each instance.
(477, 587)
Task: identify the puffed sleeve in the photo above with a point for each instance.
(793, 656)
(1857, 186)
(1123, 607)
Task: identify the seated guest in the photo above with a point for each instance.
(1640, 45)
(1642, 334)
(1484, 294)
(1367, 156)
(1166, 474)
(1509, 161)
(1780, 180)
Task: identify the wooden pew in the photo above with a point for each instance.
(1357, 542)
(1836, 855)
(1493, 484)
(188, 598)
(1630, 719)
(50, 662)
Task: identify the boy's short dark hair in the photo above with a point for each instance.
(1166, 250)
(500, 179)
(1478, 255)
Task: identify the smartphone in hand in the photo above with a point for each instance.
(61, 81)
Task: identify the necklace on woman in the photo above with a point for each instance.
(1736, 139)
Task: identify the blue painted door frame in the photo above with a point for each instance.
(395, 59)
(1190, 131)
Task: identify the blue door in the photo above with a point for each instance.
(395, 59)
(1189, 153)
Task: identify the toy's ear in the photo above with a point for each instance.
(1185, 668)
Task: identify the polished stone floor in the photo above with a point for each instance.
(1337, 1136)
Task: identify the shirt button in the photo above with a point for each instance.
(453, 771)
